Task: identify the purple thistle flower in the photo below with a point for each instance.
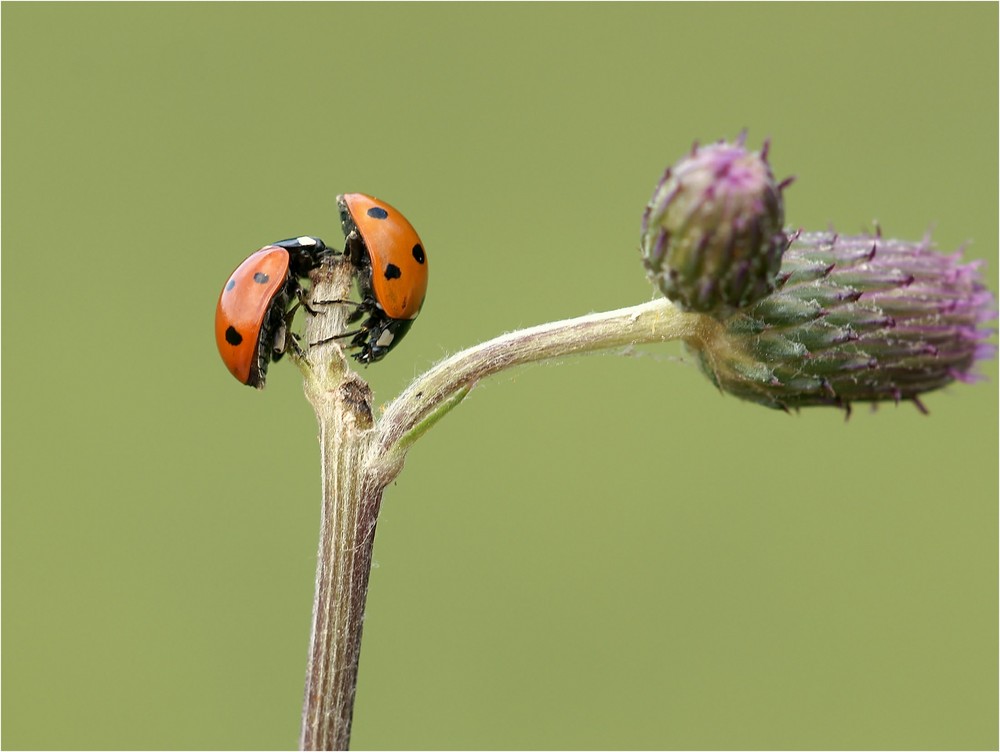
(712, 234)
(854, 319)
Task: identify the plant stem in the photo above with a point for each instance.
(344, 561)
(342, 402)
(656, 321)
(360, 459)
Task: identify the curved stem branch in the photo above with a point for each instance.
(361, 457)
(656, 321)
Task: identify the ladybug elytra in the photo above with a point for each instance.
(256, 306)
(392, 272)
(252, 315)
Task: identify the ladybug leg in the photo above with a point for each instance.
(284, 337)
(357, 314)
(354, 248)
(338, 302)
(296, 354)
(300, 300)
(279, 340)
(381, 335)
(301, 295)
(375, 339)
(356, 334)
(367, 335)
(360, 309)
(294, 346)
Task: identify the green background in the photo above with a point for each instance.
(600, 553)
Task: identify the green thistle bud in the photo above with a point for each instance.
(712, 234)
(853, 319)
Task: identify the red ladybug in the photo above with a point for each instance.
(253, 314)
(392, 272)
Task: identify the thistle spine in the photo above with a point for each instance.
(854, 319)
(712, 235)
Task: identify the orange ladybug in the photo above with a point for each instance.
(252, 315)
(392, 272)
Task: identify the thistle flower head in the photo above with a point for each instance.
(712, 234)
(853, 319)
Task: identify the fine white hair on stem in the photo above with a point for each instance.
(361, 455)
(653, 322)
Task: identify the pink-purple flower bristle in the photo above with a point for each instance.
(861, 319)
(712, 211)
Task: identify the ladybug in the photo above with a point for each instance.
(252, 316)
(392, 272)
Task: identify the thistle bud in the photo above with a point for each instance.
(712, 235)
(853, 319)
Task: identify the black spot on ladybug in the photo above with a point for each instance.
(230, 285)
(260, 278)
(233, 337)
(377, 212)
(418, 253)
(392, 272)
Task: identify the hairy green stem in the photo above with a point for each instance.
(342, 402)
(653, 322)
(361, 457)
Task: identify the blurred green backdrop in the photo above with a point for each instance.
(603, 554)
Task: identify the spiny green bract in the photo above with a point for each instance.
(712, 234)
(854, 319)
